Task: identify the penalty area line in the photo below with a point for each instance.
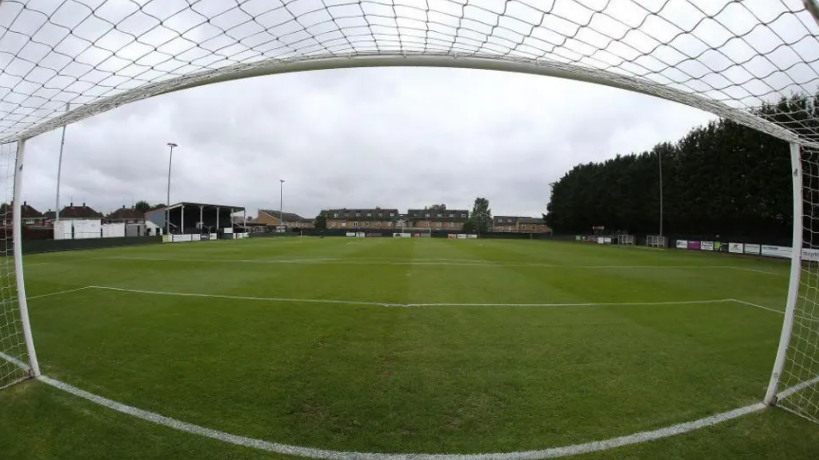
(407, 305)
(309, 452)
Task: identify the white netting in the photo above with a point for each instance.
(724, 56)
(734, 58)
(800, 375)
(13, 354)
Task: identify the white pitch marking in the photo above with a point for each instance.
(757, 306)
(57, 293)
(234, 297)
(310, 452)
(585, 304)
(442, 262)
(788, 392)
(393, 304)
(14, 361)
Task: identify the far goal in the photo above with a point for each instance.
(656, 241)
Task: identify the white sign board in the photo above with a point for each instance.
(682, 244)
(735, 248)
(752, 248)
(810, 254)
(706, 245)
(776, 251)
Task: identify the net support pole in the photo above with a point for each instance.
(18, 259)
(793, 285)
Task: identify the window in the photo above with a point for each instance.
(344, 224)
(438, 225)
(451, 224)
(463, 215)
(358, 214)
(392, 214)
(335, 214)
(364, 224)
(369, 214)
(451, 215)
(380, 214)
(509, 220)
(427, 215)
(440, 215)
(426, 223)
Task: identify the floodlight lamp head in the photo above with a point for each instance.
(171, 144)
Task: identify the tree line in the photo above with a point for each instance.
(720, 179)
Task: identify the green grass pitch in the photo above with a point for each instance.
(606, 351)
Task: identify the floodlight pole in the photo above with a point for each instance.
(281, 202)
(59, 171)
(168, 198)
(660, 158)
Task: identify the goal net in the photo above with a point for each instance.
(14, 358)
(754, 62)
(656, 241)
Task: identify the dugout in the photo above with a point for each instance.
(189, 217)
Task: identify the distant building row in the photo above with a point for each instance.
(33, 217)
(433, 219)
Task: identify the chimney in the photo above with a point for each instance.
(83, 204)
(25, 203)
(71, 205)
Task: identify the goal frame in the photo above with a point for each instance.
(479, 60)
(795, 276)
(20, 281)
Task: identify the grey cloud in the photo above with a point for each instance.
(359, 137)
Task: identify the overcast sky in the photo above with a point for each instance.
(390, 137)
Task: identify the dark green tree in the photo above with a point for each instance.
(720, 179)
(142, 206)
(481, 216)
(437, 207)
(321, 220)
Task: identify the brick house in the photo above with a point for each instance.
(80, 212)
(291, 220)
(124, 215)
(504, 223)
(362, 218)
(533, 225)
(519, 224)
(447, 219)
(30, 216)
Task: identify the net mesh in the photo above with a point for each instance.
(13, 355)
(800, 374)
(725, 56)
(735, 58)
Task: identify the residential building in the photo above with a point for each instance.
(126, 216)
(79, 212)
(446, 219)
(519, 224)
(289, 220)
(30, 216)
(376, 218)
(533, 225)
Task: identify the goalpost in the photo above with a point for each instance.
(728, 57)
(656, 241)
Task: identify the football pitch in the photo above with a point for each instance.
(413, 346)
